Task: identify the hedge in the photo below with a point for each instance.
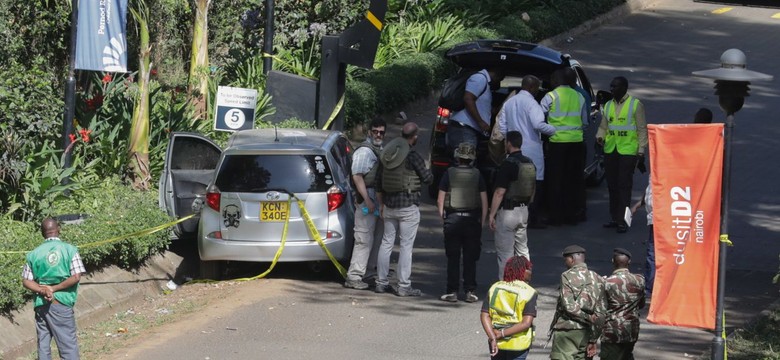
(386, 89)
(113, 210)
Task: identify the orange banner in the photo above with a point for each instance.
(686, 175)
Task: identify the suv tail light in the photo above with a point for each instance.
(442, 119)
(213, 198)
(335, 198)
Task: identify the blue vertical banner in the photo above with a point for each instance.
(102, 42)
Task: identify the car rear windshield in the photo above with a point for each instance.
(259, 173)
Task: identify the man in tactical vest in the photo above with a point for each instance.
(52, 272)
(625, 296)
(581, 309)
(398, 195)
(514, 190)
(623, 133)
(463, 205)
(365, 165)
(565, 157)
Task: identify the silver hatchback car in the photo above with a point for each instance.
(240, 195)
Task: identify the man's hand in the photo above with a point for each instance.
(492, 223)
(600, 141)
(370, 205)
(47, 292)
(640, 163)
(493, 346)
(591, 349)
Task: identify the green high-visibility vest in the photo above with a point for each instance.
(507, 301)
(566, 115)
(621, 133)
(50, 265)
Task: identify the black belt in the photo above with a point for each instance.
(463, 213)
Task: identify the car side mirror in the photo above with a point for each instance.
(603, 96)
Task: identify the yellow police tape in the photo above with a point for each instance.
(312, 230)
(340, 103)
(143, 232)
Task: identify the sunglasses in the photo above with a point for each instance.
(378, 132)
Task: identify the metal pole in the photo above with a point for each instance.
(70, 89)
(719, 341)
(268, 36)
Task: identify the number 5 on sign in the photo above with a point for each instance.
(235, 109)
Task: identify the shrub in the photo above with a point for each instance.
(513, 27)
(113, 209)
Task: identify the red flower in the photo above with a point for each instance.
(106, 79)
(153, 72)
(85, 134)
(72, 137)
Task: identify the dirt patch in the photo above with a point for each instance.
(157, 319)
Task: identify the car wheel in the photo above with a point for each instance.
(595, 178)
(211, 270)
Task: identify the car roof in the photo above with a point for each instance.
(511, 55)
(280, 139)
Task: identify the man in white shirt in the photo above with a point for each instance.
(474, 120)
(523, 113)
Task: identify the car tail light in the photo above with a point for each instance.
(335, 198)
(213, 198)
(215, 235)
(442, 120)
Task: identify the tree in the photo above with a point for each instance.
(138, 166)
(199, 59)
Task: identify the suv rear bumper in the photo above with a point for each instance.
(219, 249)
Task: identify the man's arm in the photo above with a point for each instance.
(603, 126)
(536, 115)
(498, 196)
(360, 185)
(418, 164)
(476, 86)
(585, 112)
(641, 128)
(440, 203)
(483, 198)
(72, 280)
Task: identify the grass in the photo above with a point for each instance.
(758, 341)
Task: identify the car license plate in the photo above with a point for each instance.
(274, 210)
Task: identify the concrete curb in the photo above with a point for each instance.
(100, 293)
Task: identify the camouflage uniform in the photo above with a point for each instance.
(625, 296)
(580, 313)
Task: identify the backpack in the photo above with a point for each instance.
(454, 89)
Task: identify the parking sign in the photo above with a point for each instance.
(235, 109)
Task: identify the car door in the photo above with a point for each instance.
(190, 163)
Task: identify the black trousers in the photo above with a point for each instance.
(563, 173)
(620, 178)
(462, 235)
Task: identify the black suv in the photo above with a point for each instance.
(517, 59)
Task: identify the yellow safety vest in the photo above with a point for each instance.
(507, 301)
(566, 115)
(621, 132)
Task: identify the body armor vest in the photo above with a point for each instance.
(400, 179)
(507, 302)
(464, 189)
(370, 177)
(522, 189)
